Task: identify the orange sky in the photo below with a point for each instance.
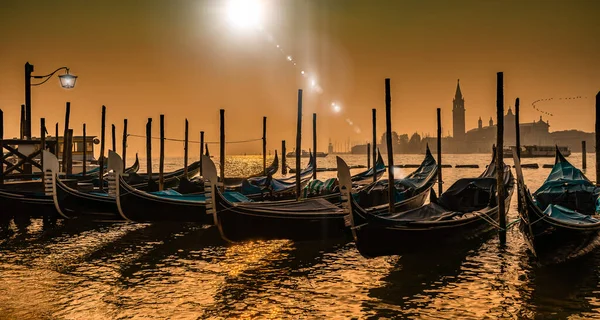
(181, 58)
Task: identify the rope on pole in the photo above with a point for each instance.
(191, 141)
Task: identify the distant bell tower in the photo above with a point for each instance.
(479, 123)
(458, 114)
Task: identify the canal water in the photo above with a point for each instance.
(84, 270)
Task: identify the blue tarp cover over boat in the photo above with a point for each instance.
(568, 187)
(267, 184)
(462, 213)
(367, 175)
(407, 187)
(559, 220)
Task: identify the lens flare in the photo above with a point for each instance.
(245, 14)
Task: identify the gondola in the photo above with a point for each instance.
(559, 221)
(466, 210)
(329, 188)
(171, 179)
(367, 176)
(169, 205)
(34, 204)
(310, 219)
(35, 185)
(140, 206)
(97, 205)
(411, 191)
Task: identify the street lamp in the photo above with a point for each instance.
(67, 81)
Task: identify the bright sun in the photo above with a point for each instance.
(245, 13)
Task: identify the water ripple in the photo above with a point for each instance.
(86, 270)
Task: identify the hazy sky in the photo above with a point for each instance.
(183, 59)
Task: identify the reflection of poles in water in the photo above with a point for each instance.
(583, 156)
(289, 266)
(49, 222)
(427, 270)
(22, 222)
(4, 225)
(499, 157)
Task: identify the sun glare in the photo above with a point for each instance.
(245, 14)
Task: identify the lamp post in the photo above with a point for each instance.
(67, 81)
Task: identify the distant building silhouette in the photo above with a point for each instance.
(458, 114)
(480, 139)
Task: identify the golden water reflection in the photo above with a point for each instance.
(75, 270)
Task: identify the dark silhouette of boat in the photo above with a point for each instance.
(559, 220)
(308, 219)
(465, 211)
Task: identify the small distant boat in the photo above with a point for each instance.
(538, 151)
(306, 154)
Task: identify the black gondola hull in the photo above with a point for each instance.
(79, 204)
(417, 238)
(140, 206)
(554, 242)
(238, 224)
(416, 230)
(23, 204)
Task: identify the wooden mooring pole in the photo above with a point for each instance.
(368, 155)
(374, 115)
(500, 156)
(283, 155)
(264, 146)
(390, 150)
(56, 148)
(201, 150)
(124, 144)
(222, 147)
(22, 126)
(85, 149)
(69, 148)
(42, 140)
(185, 149)
(102, 141)
(439, 151)
(598, 138)
(298, 144)
(518, 145)
(161, 160)
(22, 134)
(149, 152)
(65, 132)
(314, 175)
(1, 147)
(114, 138)
(517, 128)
